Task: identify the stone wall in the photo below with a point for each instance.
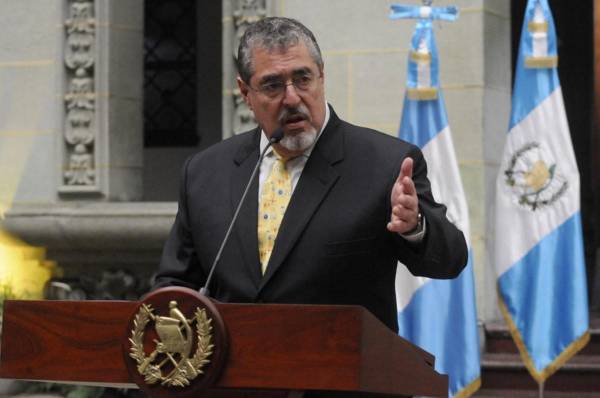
(31, 72)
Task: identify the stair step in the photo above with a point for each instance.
(505, 375)
(488, 393)
(506, 370)
(499, 340)
(579, 363)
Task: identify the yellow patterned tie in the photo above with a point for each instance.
(274, 198)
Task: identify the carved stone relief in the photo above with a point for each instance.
(79, 135)
(245, 13)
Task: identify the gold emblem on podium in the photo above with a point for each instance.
(171, 363)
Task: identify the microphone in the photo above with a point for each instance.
(275, 138)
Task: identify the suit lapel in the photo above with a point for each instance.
(246, 224)
(317, 178)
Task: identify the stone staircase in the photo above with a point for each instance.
(505, 376)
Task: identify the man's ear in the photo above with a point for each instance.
(244, 91)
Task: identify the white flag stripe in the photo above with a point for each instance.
(406, 286)
(444, 186)
(544, 125)
(445, 180)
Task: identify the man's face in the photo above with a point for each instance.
(298, 107)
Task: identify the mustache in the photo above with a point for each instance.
(288, 114)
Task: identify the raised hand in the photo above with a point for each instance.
(404, 201)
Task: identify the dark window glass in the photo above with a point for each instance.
(170, 73)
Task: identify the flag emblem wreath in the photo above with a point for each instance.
(534, 177)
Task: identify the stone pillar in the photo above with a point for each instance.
(497, 91)
(102, 141)
(237, 14)
(31, 105)
(72, 77)
(71, 73)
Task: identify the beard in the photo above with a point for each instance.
(301, 141)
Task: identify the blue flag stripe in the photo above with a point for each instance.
(456, 348)
(532, 86)
(553, 265)
(422, 120)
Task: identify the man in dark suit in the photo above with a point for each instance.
(360, 200)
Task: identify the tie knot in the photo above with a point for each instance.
(280, 159)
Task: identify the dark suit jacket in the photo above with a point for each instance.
(333, 246)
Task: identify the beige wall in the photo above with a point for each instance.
(30, 50)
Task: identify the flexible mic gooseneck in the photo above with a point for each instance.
(275, 138)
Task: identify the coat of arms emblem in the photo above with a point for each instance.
(181, 351)
(534, 178)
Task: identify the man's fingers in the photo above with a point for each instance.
(409, 201)
(398, 226)
(408, 186)
(403, 213)
(405, 202)
(406, 169)
(395, 226)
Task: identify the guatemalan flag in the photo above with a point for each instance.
(438, 315)
(538, 240)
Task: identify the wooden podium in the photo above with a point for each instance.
(272, 350)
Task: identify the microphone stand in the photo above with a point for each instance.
(275, 138)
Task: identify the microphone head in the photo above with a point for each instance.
(276, 136)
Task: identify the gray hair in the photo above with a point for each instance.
(274, 33)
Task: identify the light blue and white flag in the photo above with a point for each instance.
(539, 255)
(437, 315)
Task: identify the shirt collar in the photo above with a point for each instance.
(264, 140)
